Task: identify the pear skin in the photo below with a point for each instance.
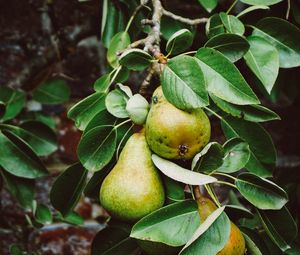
(133, 188)
(175, 134)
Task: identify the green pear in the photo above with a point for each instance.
(175, 134)
(133, 188)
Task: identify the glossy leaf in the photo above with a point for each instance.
(261, 2)
(67, 188)
(52, 92)
(86, 109)
(180, 174)
(183, 83)
(214, 26)
(113, 241)
(71, 218)
(223, 79)
(97, 147)
(232, 46)
(263, 59)
(116, 102)
(137, 108)
(174, 190)
(253, 113)
(261, 145)
(209, 159)
(135, 59)
(280, 227)
(232, 24)
(284, 36)
(43, 214)
(119, 42)
(236, 212)
(179, 41)
(102, 83)
(102, 118)
(17, 158)
(173, 224)
(2, 109)
(236, 155)
(208, 5)
(170, 26)
(254, 244)
(261, 192)
(251, 9)
(211, 236)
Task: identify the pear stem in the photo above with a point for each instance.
(197, 192)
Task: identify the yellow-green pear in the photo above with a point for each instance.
(175, 134)
(133, 188)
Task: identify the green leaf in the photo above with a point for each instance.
(252, 8)
(170, 26)
(86, 109)
(208, 5)
(116, 102)
(223, 79)
(211, 236)
(174, 190)
(261, 2)
(102, 118)
(97, 147)
(260, 192)
(15, 249)
(17, 158)
(52, 92)
(119, 42)
(263, 59)
(67, 188)
(135, 59)
(232, 24)
(280, 227)
(254, 244)
(236, 155)
(113, 241)
(214, 26)
(22, 189)
(180, 174)
(37, 135)
(2, 109)
(284, 36)
(260, 143)
(209, 159)
(179, 41)
(183, 83)
(137, 108)
(253, 113)
(71, 218)
(14, 102)
(232, 46)
(102, 83)
(173, 224)
(43, 214)
(236, 212)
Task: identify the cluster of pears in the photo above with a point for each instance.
(134, 187)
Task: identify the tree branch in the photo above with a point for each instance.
(184, 20)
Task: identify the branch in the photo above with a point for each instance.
(184, 20)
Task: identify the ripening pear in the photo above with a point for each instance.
(175, 134)
(236, 243)
(133, 188)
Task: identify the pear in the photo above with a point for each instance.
(236, 243)
(133, 188)
(175, 134)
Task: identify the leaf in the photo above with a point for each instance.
(17, 158)
(284, 36)
(183, 83)
(22, 189)
(211, 236)
(208, 5)
(170, 26)
(174, 190)
(14, 102)
(86, 109)
(232, 46)
(119, 42)
(223, 79)
(2, 109)
(102, 83)
(261, 2)
(263, 59)
(260, 192)
(260, 143)
(180, 174)
(97, 147)
(67, 188)
(253, 113)
(71, 218)
(37, 135)
(135, 59)
(232, 24)
(237, 154)
(15, 249)
(179, 41)
(280, 227)
(236, 212)
(209, 159)
(102, 118)
(173, 224)
(52, 92)
(113, 241)
(43, 214)
(214, 26)
(116, 102)
(254, 244)
(252, 8)
(137, 108)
